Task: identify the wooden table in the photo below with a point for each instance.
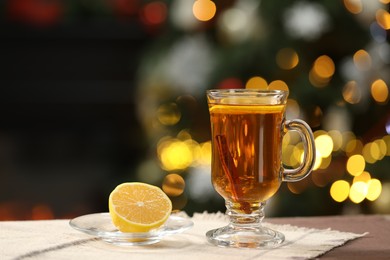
(375, 245)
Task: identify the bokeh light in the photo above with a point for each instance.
(358, 192)
(353, 6)
(324, 144)
(318, 160)
(278, 85)
(382, 148)
(374, 189)
(339, 191)
(356, 165)
(322, 71)
(204, 10)
(237, 24)
(154, 13)
(386, 139)
(324, 67)
(363, 177)
(256, 83)
(177, 154)
(287, 58)
(383, 19)
(287, 155)
(230, 83)
(351, 92)
(173, 185)
(174, 154)
(168, 114)
(380, 91)
(362, 60)
(205, 153)
(372, 152)
(354, 146)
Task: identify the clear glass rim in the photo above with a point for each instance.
(246, 92)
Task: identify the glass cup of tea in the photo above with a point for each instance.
(247, 128)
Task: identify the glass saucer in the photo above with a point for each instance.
(100, 225)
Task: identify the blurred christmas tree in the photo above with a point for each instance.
(334, 58)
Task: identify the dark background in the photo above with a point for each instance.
(68, 128)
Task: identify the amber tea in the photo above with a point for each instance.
(247, 159)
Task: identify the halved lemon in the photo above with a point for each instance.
(138, 207)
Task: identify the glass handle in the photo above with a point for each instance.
(297, 174)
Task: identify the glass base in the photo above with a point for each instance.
(254, 237)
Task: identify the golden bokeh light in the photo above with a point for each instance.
(174, 154)
(339, 191)
(179, 153)
(184, 135)
(293, 138)
(324, 144)
(173, 185)
(324, 67)
(362, 60)
(374, 189)
(358, 192)
(287, 156)
(380, 91)
(317, 162)
(351, 92)
(287, 58)
(278, 85)
(383, 19)
(292, 153)
(297, 155)
(386, 139)
(205, 153)
(363, 177)
(353, 6)
(325, 162)
(256, 83)
(168, 114)
(317, 81)
(382, 148)
(371, 152)
(322, 71)
(385, 1)
(356, 165)
(319, 133)
(204, 10)
(354, 146)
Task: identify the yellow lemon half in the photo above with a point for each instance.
(138, 207)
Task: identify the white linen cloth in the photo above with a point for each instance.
(55, 239)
